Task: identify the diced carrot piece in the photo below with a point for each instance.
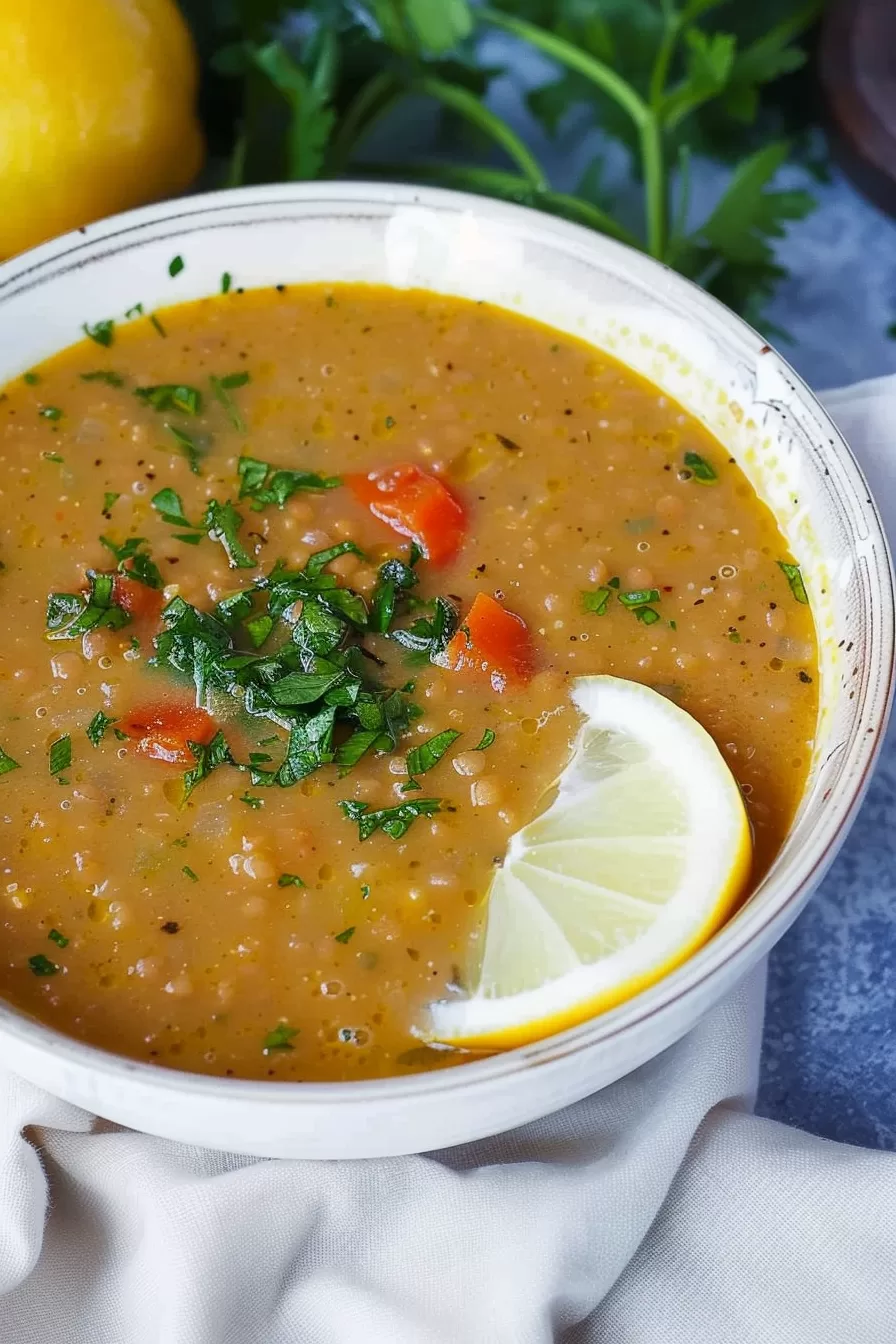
(494, 641)
(415, 504)
(137, 599)
(163, 731)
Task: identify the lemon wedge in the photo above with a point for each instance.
(639, 858)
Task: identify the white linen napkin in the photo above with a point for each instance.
(659, 1211)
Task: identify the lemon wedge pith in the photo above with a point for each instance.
(637, 861)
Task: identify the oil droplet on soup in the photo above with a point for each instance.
(253, 836)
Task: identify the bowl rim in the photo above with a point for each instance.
(757, 917)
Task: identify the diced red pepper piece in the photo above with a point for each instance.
(162, 731)
(494, 641)
(415, 504)
(137, 599)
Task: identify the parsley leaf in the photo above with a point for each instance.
(41, 965)
(427, 754)
(70, 615)
(485, 741)
(395, 821)
(222, 388)
(280, 1038)
(223, 522)
(794, 577)
(7, 763)
(596, 602)
(58, 938)
(96, 728)
(60, 755)
(208, 758)
(700, 469)
(289, 880)
(102, 332)
(171, 397)
(169, 506)
(264, 485)
(345, 936)
(133, 563)
(107, 376)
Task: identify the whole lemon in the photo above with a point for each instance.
(97, 112)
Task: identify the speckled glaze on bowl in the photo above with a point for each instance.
(695, 350)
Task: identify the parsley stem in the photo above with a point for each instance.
(655, 186)
(371, 102)
(560, 50)
(467, 105)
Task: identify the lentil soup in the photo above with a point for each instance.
(295, 583)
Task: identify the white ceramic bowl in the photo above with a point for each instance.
(694, 349)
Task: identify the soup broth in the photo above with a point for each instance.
(289, 911)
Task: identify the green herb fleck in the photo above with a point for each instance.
(222, 388)
(223, 522)
(700, 469)
(101, 332)
(175, 266)
(251, 801)
(41, 965)
(58, 938)
(157, 324)
(96, 728)
(365, 891)
(639, 597)
(427, 754)
(794, 577)
(734, 636)
(280, 1038)
(188, 872)
(226, 282)
(136, 311)
(390, 422)
(485, 741)
(264, 484)
(7, 763)
(394, 821)
(596, 602)
(345, 935)
(52, 457)
(171, 397)
(60, 754)
(50, 413)
(31, 378)
(647, 615)
(189, 447)
(107, 376)
(109, 499)
(289, 880)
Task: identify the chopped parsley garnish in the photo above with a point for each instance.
(390, 422)
(50, 413)
(171, 397)
(109, 499)
(734, 636)
(280, 1038)
(365, 891)
(395, 821)
(258, 629)
(395, 578)
(264, 485)
(102, 332)
(157, 324)
(52, 457)
(58, 938)
(134, 563)
(596, 602)
(169, 506)
(423, 757)
(41, 965)
(208, 758)
(71, 615)
(647, 615)
(108, 376)
(485, 741)
(345, 935)
(136, 311)
(60, 754)
(794, 577)
(32, 379)
(222, 387)
(7, 763)
(226, 282)
(251, 801)
(289, 880)
(639, 597)
(188, 872)
(426, 638)
(175, 266)
(96, 728)
(700, 469)
(190, 446)
(223, 522)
